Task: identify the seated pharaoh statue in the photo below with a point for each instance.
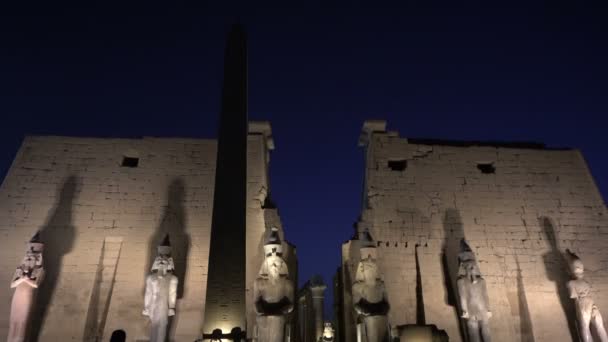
(587, 312)
(273, 292)
(26, 280)
(474, 301)
(369, 296)
(161, 292)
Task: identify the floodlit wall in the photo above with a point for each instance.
(101, 223)
(519, 209)
(262, 215)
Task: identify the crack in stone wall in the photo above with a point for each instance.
(498, 213)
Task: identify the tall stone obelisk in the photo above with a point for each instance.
(225, 299)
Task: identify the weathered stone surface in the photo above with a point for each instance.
(310, 310)
(588, 314)
(518, 220)
(77, 193)
(273, 292)
(370, 301)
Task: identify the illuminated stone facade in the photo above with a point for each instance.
(103, 205)
(520, 206)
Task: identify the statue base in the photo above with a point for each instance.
(235, 335)
(421, 333)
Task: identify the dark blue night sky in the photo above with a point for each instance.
(534, 72)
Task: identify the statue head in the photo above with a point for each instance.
(576, 265)
(273, 245)
(273, 266)
(365, 238)
(163, 262)
(33, 254)
(367, 271)
(467, 264)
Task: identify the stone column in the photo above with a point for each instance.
(317, 292)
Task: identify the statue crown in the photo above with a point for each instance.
(273, 243)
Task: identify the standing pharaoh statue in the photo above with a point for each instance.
(26, 280)
(587, 312)
(273, 292)
(474, 301)
(369, 294)
(161, 292)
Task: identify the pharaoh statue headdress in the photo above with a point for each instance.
(165, 247)
(273, 250)
(367, 251)
(367, 245)
(466, 255)
(164, 251)
(273, 243)
(35, 245)
(574, 261)
(365, 238)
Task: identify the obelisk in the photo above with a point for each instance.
(225, 299)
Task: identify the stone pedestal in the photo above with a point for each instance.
(421, 333)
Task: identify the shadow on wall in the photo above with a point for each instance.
(420, 316)
(525, 321)
(453, 232)
(173, 223)
(101, 295)
(557, 271)
(58, 238)
(92, 329)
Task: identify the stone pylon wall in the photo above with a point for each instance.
(262, 215)
(101, 223)
(77, 193)
(518, 220)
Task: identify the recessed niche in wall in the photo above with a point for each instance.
(129, 161)
(397, 165)
(486, 168)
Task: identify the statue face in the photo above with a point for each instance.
(469, 268)
(578, 270)
(32, 259)
(163, 263)
(368, 271)
(274, 266)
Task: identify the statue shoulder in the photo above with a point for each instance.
(571, 284)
